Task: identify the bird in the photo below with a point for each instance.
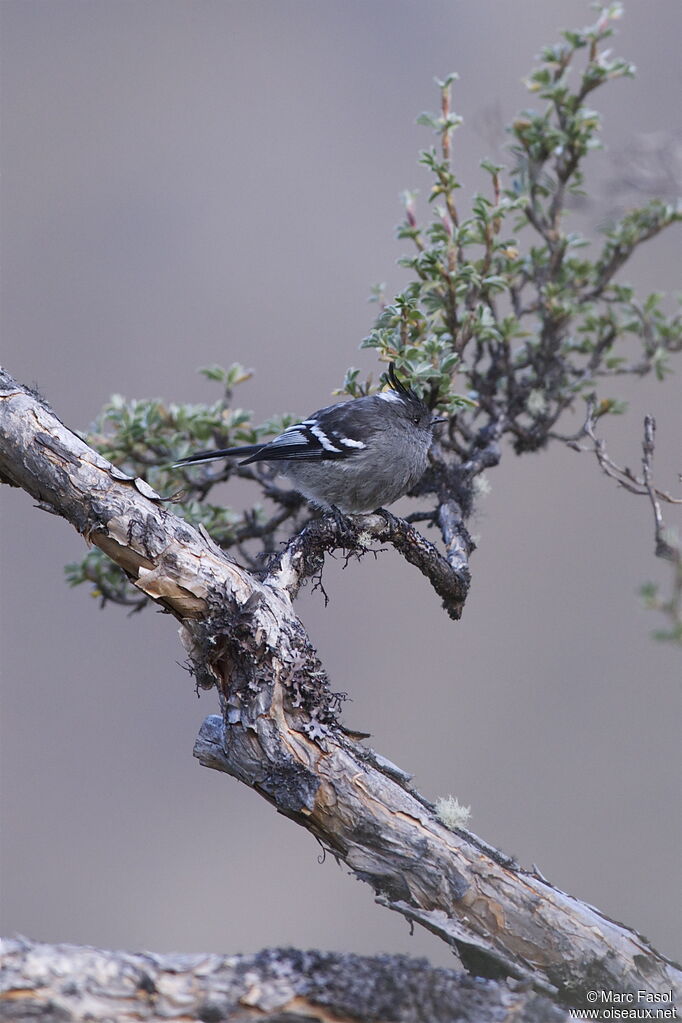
(352, 457)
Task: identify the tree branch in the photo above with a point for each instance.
(62, 982)
(278, 732)
(303, 556)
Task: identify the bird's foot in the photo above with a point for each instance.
(346, 530)
(388, 517)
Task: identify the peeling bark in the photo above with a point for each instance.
(278, 732)
(68, 984)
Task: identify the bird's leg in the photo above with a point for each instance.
(346, 530)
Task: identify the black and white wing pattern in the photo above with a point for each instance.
(330, 433)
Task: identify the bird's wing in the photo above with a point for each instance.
(328, 434)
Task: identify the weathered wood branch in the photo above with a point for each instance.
(62, 982)
(279, 733)
(303, 556)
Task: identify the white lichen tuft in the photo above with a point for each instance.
(536, 403)
(365, 539)
(451, 813)
(670, 536)
(482, 485)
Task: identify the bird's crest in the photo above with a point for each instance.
(398, 386)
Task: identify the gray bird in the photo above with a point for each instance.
(355, 456)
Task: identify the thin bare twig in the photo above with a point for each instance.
(620, 473)
(666, 546)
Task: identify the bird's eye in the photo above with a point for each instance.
(416, 420)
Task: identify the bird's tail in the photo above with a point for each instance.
(212, 454)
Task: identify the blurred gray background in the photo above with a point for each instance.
(194, 182)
